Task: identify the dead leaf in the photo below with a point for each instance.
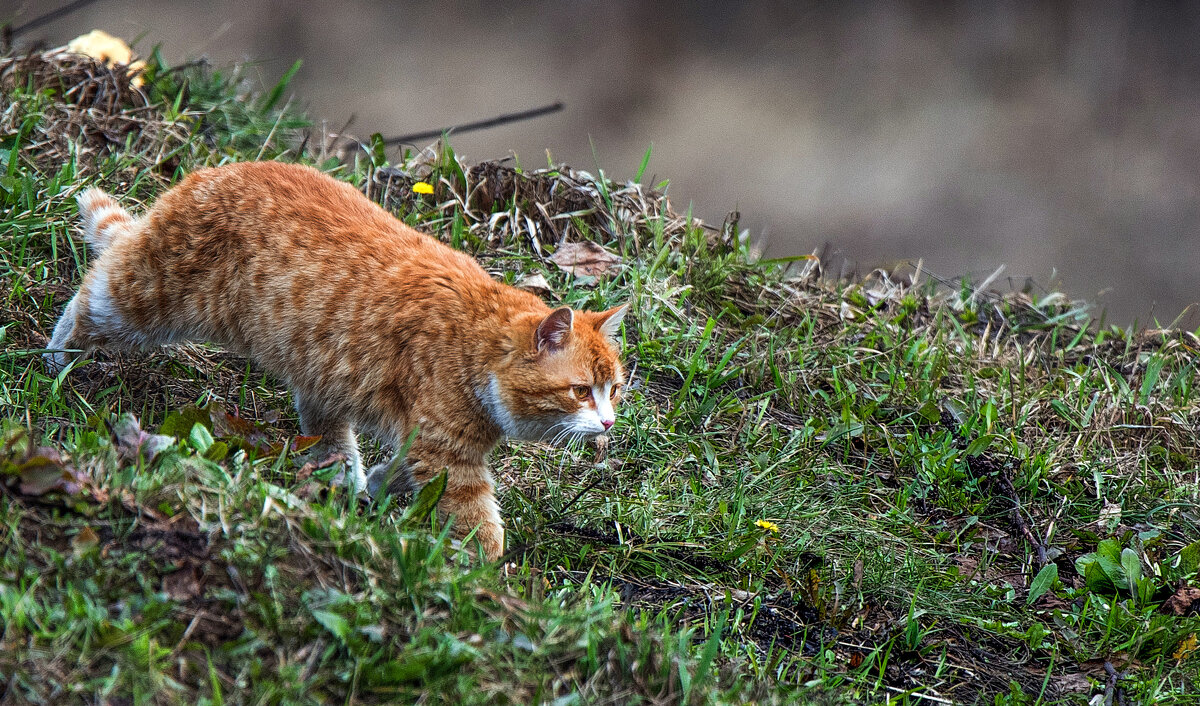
(44, 471)
(84, 541)
(1120, 661)
(134, 443)
(1110, 516)
(536, 284)
(299, 444)
(225, 424)
(1186, 601)
(1073, 684)
(585, 258)
(1187, 647)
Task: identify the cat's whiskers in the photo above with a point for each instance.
(565, 424)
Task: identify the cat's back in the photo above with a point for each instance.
(242, 248)
(290, 219)
(271, 201)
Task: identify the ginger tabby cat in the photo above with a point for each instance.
(372, 325)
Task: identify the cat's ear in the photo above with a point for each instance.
(608, 322)
(555, 330)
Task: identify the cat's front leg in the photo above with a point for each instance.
(471, 501)
(469, 498)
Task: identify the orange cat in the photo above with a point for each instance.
(371, 324)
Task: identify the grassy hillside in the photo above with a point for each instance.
(817, 491)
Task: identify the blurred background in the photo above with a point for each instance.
(1061, 140)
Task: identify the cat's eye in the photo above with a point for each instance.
(616, 390)
(582, 392)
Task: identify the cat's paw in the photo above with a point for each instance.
(490, 537)
(55, 361)
(389, 477)
(354, 479)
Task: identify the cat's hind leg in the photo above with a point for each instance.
(91, 320)
(63, 340)
(336, 437)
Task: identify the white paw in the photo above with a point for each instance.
(55, 362)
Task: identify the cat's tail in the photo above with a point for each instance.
(103, 219)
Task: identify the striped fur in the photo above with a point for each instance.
(102, 219)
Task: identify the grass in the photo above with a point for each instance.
(886, 490)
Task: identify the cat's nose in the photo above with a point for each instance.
(607, 424)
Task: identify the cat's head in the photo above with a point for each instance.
(561, 377)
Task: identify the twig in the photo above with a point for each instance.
(1017, 519)
(572, 501)
(478, 125)
(45, 18)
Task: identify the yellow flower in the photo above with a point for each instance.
(768, 526)
(422, 187)
(111, 50)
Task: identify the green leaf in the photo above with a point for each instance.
(450, 162)
(707, 656)
(378, 149)
(1132, 565)
(980, 444)
(426, 500)
(217, 452)
(181, 422)
(1094, 576)
(1189, 558)
(1042, 582)
(398, 671)
(200, 438)
(645, 161)
(1114, 572)
(333, 622)
(1109, 549)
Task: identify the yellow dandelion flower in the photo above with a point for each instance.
(110, 50)
(422, 187)
(768, 526)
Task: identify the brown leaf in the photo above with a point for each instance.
(536, 284)
(584, 258)
(85, 540)
(230, 425)
(134, 443)
(299, 444)
(1120, 661)
(1073, 684)
(45, 471)
(1186, 601)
